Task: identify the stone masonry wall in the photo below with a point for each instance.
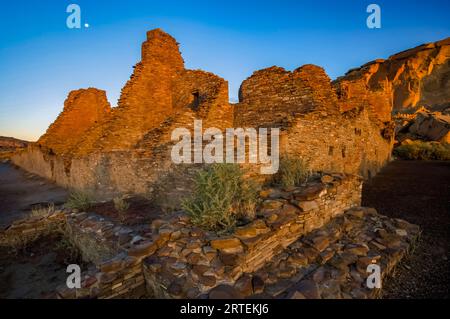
(273, 97)
(192, 261)
(29, 229)
(312, 241)
(82, 110)
(314, 125)
(113, 269)
(172, 249)
(351, 143)
(144, 102)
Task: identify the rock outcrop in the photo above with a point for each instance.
(424, 125)
(11, 143)
(407, 80)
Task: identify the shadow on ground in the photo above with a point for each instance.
(419, 192)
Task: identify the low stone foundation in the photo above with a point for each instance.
(112, 271)
(29, 229)
(116, 271)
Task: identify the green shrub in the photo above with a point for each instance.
(79, 200)
(292, 172)
(419, 150)
(221, 197)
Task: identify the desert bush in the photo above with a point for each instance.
(43, 211)
(79, 200)
(221, 197)
(419, 150)
(292, 172)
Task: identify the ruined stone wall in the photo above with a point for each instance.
(26, 230)
(104, 174)
(345, 125)
(350, 143)
(145, 101)
(128, 150)
(315, 123)
(82, 109)
(273, 97)
(366, 89)
(296, 235)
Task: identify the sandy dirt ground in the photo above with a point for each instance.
(20, 190)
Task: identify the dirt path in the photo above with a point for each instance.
(419, 192)
(19, 190)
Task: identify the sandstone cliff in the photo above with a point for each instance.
(407, 80)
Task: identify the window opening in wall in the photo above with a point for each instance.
(196, 100)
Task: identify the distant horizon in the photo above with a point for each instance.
(42, 60)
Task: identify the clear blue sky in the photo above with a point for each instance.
(41, 60)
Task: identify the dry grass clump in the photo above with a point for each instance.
(120, 204)
(121, 207)
(19, 243)
(292, 172)
(43, 211)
